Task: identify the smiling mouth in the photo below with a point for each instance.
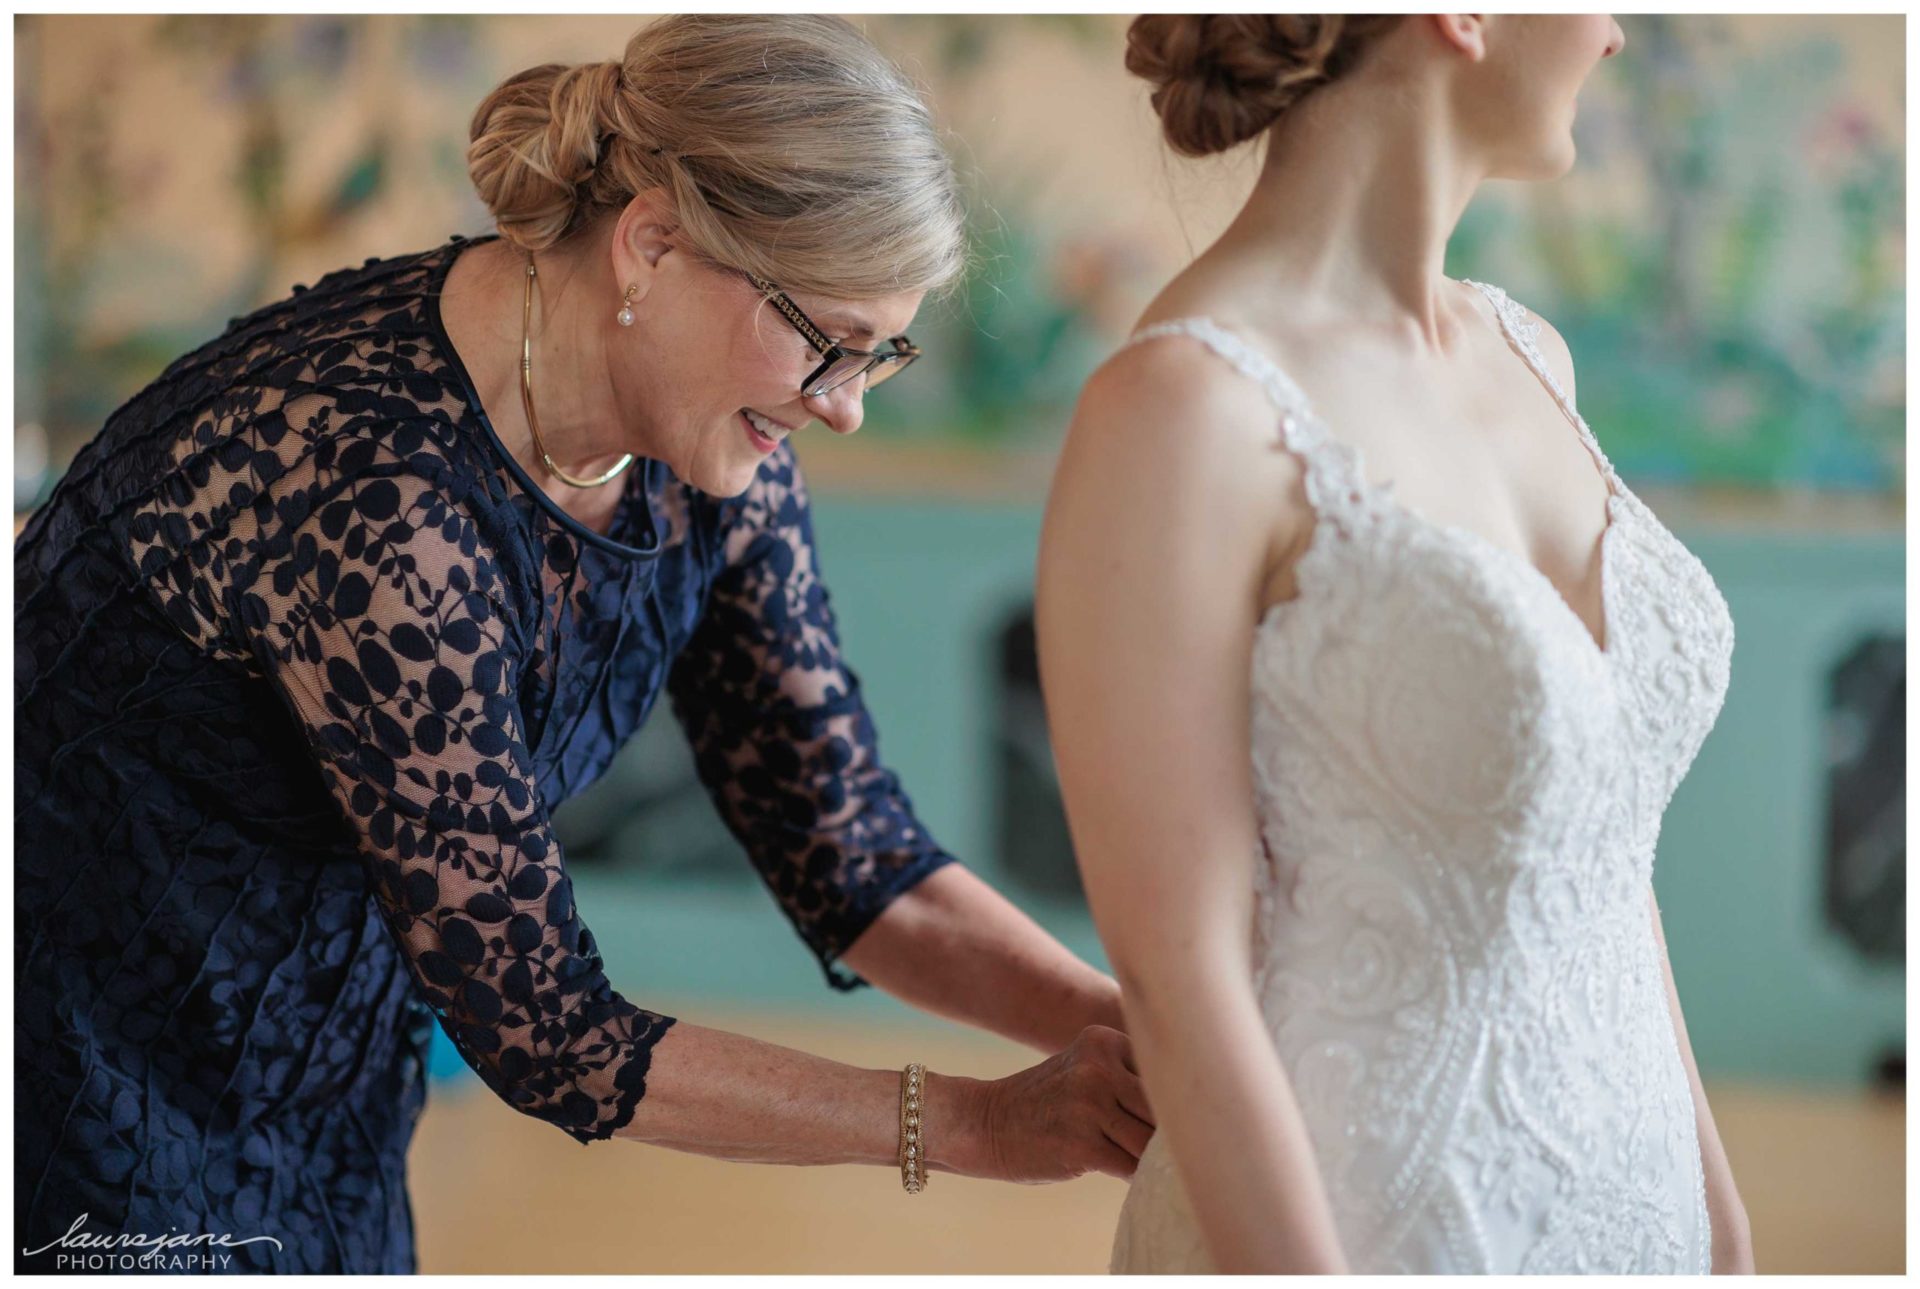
(763, 432)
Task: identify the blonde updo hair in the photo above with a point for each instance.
(790, 147)
(1220, 79)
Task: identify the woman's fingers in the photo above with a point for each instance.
(1117, 1048)
(1131, 1093)
(1128, 1133)
(1113, 1160)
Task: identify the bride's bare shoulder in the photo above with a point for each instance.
(1194, 359)
(1172, 429)
(1180, 355)
(1171, 388)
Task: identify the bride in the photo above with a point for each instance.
(1396, 981)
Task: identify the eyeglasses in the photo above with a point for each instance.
(840, 363)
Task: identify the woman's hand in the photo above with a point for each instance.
(1082, 1110)
(1726, 1215)
(1732, 1246)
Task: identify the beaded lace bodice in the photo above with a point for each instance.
(1459, 790)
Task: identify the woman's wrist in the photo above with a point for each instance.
(1106, 1007)
(955, 1124)
(1092, 998)
(1732, 1239)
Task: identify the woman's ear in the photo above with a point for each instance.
(1466, 32)
(645, 233)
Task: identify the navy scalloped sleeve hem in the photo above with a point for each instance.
(303, 661)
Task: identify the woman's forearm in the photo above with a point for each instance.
(1732, 1236)
(1233, 1126)
(1726, 1213)
(710, 1092)
(956, 947)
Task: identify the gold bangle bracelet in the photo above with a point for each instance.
(913, 1155)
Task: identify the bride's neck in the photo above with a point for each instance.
(1361, 188)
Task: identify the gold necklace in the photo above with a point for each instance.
(526, 398)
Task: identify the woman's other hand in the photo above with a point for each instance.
(1082, 1110)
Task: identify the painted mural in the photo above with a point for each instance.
(1727, 260)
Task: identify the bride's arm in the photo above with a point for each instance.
(1732, 1238)
(1159, 534)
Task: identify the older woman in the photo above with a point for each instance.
(319, 629)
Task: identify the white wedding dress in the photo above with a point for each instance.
(1459, 790)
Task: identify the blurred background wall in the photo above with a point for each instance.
(1727, 263)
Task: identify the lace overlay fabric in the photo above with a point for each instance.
(1459, 791)
(303, 664)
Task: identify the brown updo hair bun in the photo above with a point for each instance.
(789, 145)
(1220, 79)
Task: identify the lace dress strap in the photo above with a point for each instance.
(1525, 333)
(1335, 479)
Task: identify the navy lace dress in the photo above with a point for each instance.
(303, 661)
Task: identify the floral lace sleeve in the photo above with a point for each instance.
(782, 738)
(381, 619)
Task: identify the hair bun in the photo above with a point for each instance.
(534, 140)
(1220, 79)
(784, 145)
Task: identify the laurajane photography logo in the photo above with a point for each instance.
(132, 1251)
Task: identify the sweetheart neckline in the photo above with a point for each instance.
(1604, 644)
(1617, 508)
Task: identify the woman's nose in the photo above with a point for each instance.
(1619, 39)
(842, 408)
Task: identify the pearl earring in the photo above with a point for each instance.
(625, 316)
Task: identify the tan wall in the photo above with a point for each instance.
(137, 236)
(1050, 116)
